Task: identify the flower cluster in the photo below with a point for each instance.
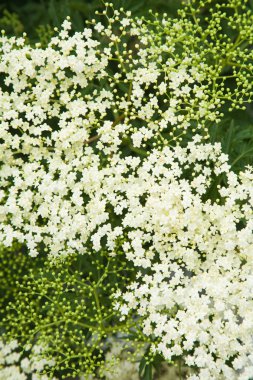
(14, 365)
(51, 109)
(140, 226)
(195, 296)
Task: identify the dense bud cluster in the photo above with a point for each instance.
(61, 306)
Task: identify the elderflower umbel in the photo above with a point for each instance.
(195, 252)
(15, 366)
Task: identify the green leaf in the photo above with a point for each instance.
(145, 369)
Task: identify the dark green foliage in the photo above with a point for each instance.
(32, 16)
(236, 135)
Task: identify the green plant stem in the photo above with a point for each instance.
(180, 370)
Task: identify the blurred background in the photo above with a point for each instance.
(38, 17)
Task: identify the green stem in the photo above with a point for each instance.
(180, 370)
(98, 307)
